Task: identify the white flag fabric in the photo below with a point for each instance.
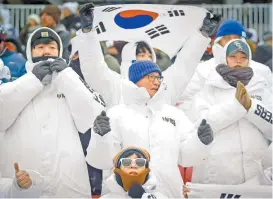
(228, 191)
(165, 26)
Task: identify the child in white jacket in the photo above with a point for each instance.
(26, 184)
(132, 177)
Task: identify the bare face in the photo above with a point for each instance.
(2, 46)
(66, 12)
(50, 49)
(150, 82)
(238, 59)
(47, 20)
(144, 55)
(31, 22)
(133, 169)
(227, 38)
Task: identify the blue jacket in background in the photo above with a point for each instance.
(15, 62)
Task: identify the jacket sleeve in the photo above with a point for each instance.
(192, 150)
(95, 70)
(260, 114)
(219, 115)
(178, 75)
(84, 103)
(102, 149)
(17, 94)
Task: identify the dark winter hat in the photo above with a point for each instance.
(141, 68)
(44, 36)
(54, 11)
(231, 27)
(236, 46)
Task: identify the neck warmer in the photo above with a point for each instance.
(233, 75)
(125, 180)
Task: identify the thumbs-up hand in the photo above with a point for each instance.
(205, 133)
(242, 96)
(23, 179)
(102, 124)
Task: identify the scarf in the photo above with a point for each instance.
(233, 75)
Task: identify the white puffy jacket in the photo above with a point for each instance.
(240, 136)
(41, 125)
(109, 84)
(163, 130)
(203, 70)
(116, 191)
(9, 187)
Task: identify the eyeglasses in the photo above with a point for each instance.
(153, 78)
(127, 162)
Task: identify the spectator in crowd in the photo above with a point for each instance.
(71, 19)
(263, 52)
(110, 60)
(114, 48)
(5, 22)
(252, 39)
(234, 101)
(187, 145)
(50, 17)
(27, 184)
(228, 30)
(13, 60)
(33, 22)
(4, 73)
(50, 105)
(100, 77)
(132, 177)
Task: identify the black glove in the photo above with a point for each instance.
(205, 133)
(42, 69)
(210, 25)
(102, 124)
(87, 15)
(136, 191)
(58, 65)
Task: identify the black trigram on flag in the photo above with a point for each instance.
(100, 28)
(157, 31)
(224, 195)
(110, 9)
(176, 13)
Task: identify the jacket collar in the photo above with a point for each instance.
(114, 187)
(132, 94)
(215, 79)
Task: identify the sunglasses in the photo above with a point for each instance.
(127, 162)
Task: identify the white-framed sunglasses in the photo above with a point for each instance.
(138, 162)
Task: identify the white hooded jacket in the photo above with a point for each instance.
(110, 84)
(240, 136)
(204, 68)
(163, 130)
(41, 125)
(116, 191)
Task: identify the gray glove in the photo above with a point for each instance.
(58, 65)
(42, 69)
(102, 124)
(86, 16)
(210, 25)
(205, 133)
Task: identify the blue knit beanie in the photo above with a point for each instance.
(231, 27)
(141, 68)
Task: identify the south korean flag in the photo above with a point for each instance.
(166, 27)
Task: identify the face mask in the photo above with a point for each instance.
(43, 58)
(127, 180)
